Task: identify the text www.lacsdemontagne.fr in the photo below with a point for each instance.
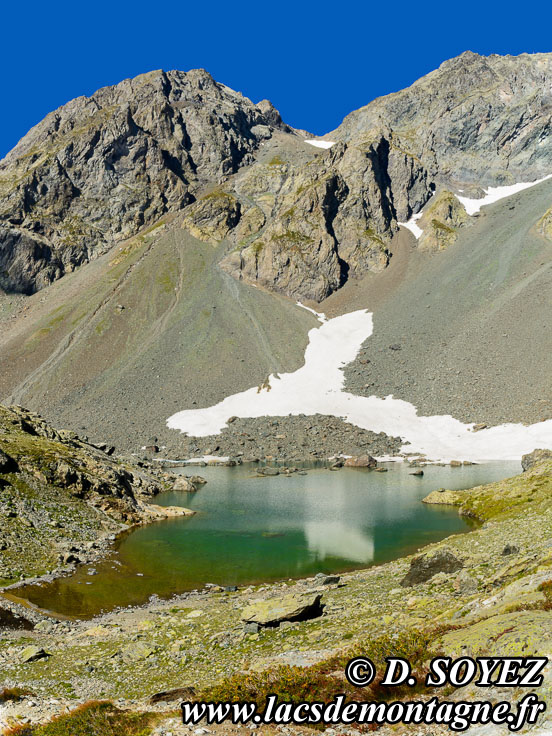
(457, 715)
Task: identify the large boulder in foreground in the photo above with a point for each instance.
(535, 457)
(423, 568)
(295, 607)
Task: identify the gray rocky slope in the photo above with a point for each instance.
(185, 194)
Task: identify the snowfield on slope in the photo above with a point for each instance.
(494, 194)
(319, 144)
(473, 206)
(317, 388)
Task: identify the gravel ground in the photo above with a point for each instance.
(291, 439)
(467, 331)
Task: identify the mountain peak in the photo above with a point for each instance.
(99, 168)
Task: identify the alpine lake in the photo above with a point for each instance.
(250, 529)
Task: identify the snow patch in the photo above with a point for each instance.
(320, 144)
(473, 206)
(319, 315)
(494, 194)
(317, 388)
(415, 229)
(205, 458)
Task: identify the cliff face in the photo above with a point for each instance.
(476, 119)
(300, 222)
(328, 220)
(100, 168)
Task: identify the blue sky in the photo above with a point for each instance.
(315, 61)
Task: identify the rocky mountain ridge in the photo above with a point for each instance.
(98, 169)
(475, 121)
(101, 169)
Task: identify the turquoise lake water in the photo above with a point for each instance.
(250, 529)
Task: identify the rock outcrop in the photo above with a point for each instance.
(60, 496)
(328, 220)
(442, 218)
(544, 225)
(529, 461)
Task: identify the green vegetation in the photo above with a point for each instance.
(276, 161)
(217, 194)
(153, 228)
(72, 230)
(95, 718)
(438, 225)
(325, 680)
(375, 237)
(293, 237)
(14, 694)
(509, 497)
(167, 278)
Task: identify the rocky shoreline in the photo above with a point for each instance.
(64, 501)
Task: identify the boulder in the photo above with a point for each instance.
(535, 457)
(197, 480)
(33, 654)
(70, 558)
(322, 579)
(167, 696)
(139, 651)
(423, 568)
(154, 511)
(268, 471)
(6, 462)
(104, 447)
(251, 627)
(510, 549)
(272, 611)
(442, 496)
(362, 461)
(183, 484)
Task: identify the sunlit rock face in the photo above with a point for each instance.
(100, 168)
